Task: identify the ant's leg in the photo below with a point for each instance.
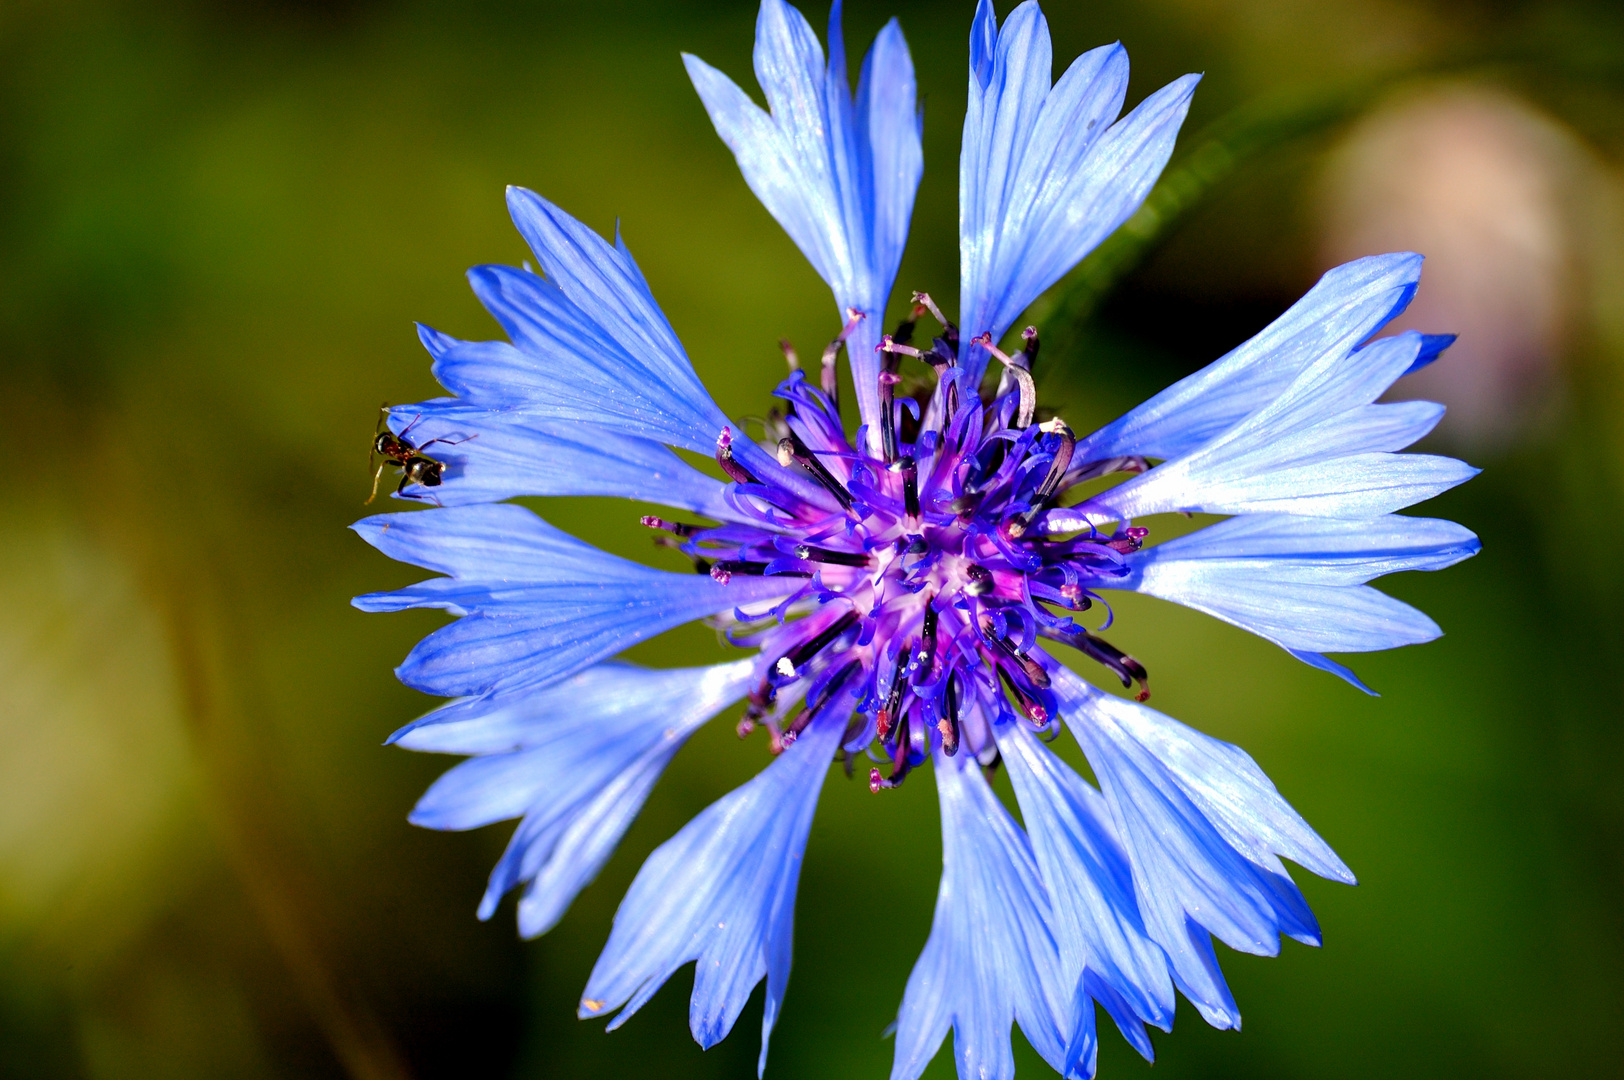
(401, 434)
(449, 440)
(377, 476)
(423, 496)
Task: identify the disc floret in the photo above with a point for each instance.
(929, 578)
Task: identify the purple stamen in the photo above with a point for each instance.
(792, 450)
(935, 547)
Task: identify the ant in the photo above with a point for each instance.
(416, 467)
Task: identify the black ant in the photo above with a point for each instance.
(416, 467)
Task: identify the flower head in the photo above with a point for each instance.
(908, 589)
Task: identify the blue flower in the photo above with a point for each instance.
(901, 590)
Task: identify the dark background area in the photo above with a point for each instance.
(217, 224)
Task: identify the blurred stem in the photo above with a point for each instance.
(184, 576)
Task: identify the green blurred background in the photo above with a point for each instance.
(218, 221)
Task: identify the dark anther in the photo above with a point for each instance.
(927, 642)
(948, 725)
(676, 528)
(1126, 667)
(792, 449)
(984, 466)
(806, 650)
(701, 566)
(903, 759)
(831, 378)
(893, 697)
(1029, 389)
(1093, 470)
(910, 485)
(790, 358)
(824, 555)
(830, 689)
(1032, 709)
(1029, 667)
(966, 505)
(1046, 491)
(978, 580)
(758, 704)
(724, 458)
(739, 566)
(904, 332)
(724, 570)
(888, 380)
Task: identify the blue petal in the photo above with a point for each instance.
(1044, 175)
(1096, 919)
(564, 366)
(537, 604)
(991, 959)
(605, 285)
(1299, 581)
(1325, 663)
(722, 892)
(491, 456)
(1349, 304)
(1320, 448)
(1204, 830)
(576, 760)
(838, 175)
(1432, 347)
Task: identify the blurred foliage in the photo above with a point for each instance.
(219, 221)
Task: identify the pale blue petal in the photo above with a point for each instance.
(991, 959)
(720, 892)
(1300, 582)
(1204, 830)
(838, 175)
(1044, 176)
(491, 456)
(605, 285)
(1432, 347)
(1349, 304)
(1320, 448)
(537, 604)
(641, 381)
(1325, 663)
(1320, 551)
(1096, 919)
(517, 639)
(616, 696)
(576, 760)
(886, 105)
(563, 366)
(485, 543)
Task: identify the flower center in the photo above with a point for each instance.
(929, 578)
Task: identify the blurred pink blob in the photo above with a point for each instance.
(1484, 187)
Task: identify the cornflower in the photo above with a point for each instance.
(902, 589)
